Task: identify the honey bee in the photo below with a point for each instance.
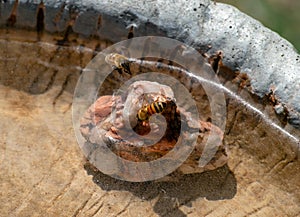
(118, 62)
(154, 108)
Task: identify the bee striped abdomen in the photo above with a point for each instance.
(154, 108)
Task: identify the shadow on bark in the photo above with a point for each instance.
(219, 184)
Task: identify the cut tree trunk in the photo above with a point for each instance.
(44, 49)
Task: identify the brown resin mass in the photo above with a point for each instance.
(105, 119)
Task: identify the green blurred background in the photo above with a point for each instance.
(282, 16)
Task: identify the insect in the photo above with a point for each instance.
(118, 62)
(154, 108)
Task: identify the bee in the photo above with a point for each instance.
(118, 62)
(154, 108)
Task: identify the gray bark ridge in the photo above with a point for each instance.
(271, 62)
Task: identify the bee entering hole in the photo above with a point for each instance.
(165, 107)
(154, 108)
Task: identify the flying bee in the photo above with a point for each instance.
(154, 108)
(118, 62)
